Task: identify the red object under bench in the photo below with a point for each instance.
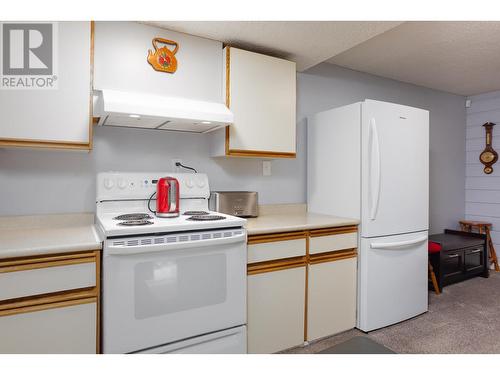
(434, 247)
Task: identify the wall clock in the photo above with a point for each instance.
(489, 156)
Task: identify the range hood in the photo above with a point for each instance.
(139, 110)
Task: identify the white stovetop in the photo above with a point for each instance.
(109, 226)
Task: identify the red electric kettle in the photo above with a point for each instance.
(167, 197)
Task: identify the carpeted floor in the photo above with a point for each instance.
(465, 318)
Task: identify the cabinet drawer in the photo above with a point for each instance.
(261, 252)
(58, 328)
(46, 277)
(323, 244)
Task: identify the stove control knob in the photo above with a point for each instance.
(200, 183)
(108, 183)
(189, 183)
(122, 184)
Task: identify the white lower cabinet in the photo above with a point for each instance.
(276, 307)
(50, 304)
(63, 330)
(281, 312)
(331, 305)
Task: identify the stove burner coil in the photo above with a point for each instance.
(133, 223)
(206, 217)
(138, 216)
(195, 213)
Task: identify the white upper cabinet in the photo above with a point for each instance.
(121, 62)
(58, 117)
(261, 92)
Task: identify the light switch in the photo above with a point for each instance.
(266, 168)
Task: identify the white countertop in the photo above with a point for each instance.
(292, 217)
(47, 234)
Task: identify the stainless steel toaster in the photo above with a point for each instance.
(237, 203)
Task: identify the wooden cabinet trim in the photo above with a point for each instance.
(11, 142)
(91, 87)
(228, 95)
(332, 256)
(23, 264)
(58, 263)
(306, 291)
(48, 298)
(228, 77)
(47, 258)
(256, 154)
(98, 295)
(64, 145)
(333, 230)
(52, 305)
(275, 237)
(283, 236)
(276, 265)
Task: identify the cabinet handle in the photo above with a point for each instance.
(475, 251)
(453, 256)
(374, 170)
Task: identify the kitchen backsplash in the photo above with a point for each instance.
(34, 181)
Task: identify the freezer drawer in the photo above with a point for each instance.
(392, 279)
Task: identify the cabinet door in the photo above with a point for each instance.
(276, 302)
(331, 298)
(261, 93)
(59, 117)
(58, 328)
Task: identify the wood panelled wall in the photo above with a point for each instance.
(482, 192)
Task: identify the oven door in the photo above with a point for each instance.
(162, 289)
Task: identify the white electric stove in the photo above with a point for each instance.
(170, 285)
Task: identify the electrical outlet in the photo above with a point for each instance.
(266, 168)
(174, 167)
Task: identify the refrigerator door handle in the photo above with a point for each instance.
(397, 245)
(374, 170)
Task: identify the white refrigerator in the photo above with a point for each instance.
(370, 160)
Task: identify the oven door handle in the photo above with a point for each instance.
(142, 249)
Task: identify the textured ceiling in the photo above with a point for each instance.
(458, 57)
(306, 43)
